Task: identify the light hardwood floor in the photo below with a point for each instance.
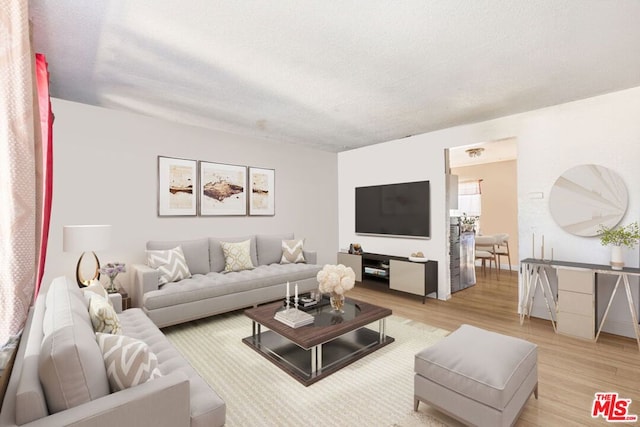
(570, 370)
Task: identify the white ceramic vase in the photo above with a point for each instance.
(616, 257)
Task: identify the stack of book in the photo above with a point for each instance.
(294, 318)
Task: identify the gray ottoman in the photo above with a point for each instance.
(479, 377)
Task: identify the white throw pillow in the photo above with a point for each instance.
(237, 256)
(292, 251)
(129, 361)
(171, 265)
(103, 316)
(95, 288)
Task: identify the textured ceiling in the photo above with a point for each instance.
(336, 75)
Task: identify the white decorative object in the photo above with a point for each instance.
(617, 262)
(294, 318)
(336, 280)
(587, 196)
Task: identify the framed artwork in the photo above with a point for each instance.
(262, 187)
(177, 180)
(222, 189)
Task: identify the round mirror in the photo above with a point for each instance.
(586, 196)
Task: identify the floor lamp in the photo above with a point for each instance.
(86, 238)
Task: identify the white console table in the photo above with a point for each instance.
(533, 273)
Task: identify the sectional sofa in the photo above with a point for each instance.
(59, 376)
(210, 289)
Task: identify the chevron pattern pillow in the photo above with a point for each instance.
(237, 256)
(129, 361)
(103, 316)
(292, 251)
(170, 264)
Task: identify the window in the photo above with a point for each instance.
(469, 198)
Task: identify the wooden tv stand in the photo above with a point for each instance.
(400, 274)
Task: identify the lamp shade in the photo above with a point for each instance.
(86, 238)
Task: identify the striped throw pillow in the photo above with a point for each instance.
(129, 361)
(292, 251)
(171, 265)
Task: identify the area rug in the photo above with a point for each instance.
(376, 390)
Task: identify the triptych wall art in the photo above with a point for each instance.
(190, 187)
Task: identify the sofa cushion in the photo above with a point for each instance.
(292, 251)
(67, 364)
(213, 285)
(217, 260)
(171, 264)
(207, 407)
(269, 247)
(237, 256)
(30, 400)
(196, 252)
(103, 316)
(128, 361)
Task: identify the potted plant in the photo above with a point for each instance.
(617, 237)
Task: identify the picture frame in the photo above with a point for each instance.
(262, 191)
(177, 182)
(223, 189)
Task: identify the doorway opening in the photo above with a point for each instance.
(483, 200)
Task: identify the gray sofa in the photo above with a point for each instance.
(59, 376)
(212, 291)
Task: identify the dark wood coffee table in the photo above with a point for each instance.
(310, 353)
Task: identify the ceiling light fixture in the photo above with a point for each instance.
(474, 152)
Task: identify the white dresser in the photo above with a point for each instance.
(576, 303)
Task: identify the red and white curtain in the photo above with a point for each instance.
(25, 167)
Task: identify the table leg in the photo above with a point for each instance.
(253, 331)
(606, 312)
(382, 330)
(632, 308)
(316, 359)
(533, 285)
(526, 282)
(549, 308)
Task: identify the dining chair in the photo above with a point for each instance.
(502, 248)
(486, 251)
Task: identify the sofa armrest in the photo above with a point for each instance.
(116, 301)
(145, 279)
(163, 401)
(310, 256)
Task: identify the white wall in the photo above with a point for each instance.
(603, 130)
(105, 172)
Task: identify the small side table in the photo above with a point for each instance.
(126, 299)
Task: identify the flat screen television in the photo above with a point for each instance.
(394, 209)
